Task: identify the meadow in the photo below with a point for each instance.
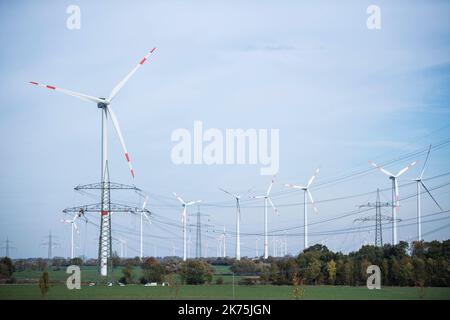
(221, 292)
(224, 291)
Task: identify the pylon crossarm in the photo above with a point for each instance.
(112, 186)
(97, 207)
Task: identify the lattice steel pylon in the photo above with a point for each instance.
(105, 208)
(198, 230)
(378, 218)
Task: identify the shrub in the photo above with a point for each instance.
(154, 271)
(219, 280)
(196, 272)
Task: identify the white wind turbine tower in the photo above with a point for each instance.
(184, 219)
(267, 198)
(143, 214)
(305, 203)
(238, 222)
(420, 183)
(105, 106)
(73, 227)
(123, 247)
(224, 237)
(395, 194)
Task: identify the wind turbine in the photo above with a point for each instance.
(238, 222)
(420, 183)
(184, 219)
(105, 106)
(143, 214)
(267, 198)
(73, 227)
(123, 244)
(395, 194)
(305, 203)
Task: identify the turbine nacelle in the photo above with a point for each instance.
(103, 105)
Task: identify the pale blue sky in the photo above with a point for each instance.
(339, 93)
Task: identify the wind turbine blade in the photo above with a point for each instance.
(293, 186)
(270, 186)
(193, 202)
(381, 169)
(405, 169)
(257, 197)
(145, 202)
(122, 142)
(273, 206)
(312, 201)
(228, 192)
(122, 82)
(313, 177)
(75, 94)
(425, 187)
(179, 198)
(425, 163)
(147, 217)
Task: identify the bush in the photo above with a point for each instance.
(219, 280)
(246, 267)
(127, 274)
(11, 280)
(123, 280)
(142, 280)
(154, 271)
(196, 272)
(6, 268)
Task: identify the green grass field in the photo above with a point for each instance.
(58, 289)
(219, 292)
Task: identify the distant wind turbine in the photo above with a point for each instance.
(238, 222)
(267, 198)
(305, 203)
(73, 227)
(420, 183)
(184, 220)
(143, 212)
(395, 194)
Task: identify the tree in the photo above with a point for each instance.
(420, 274)
(196, 272)
(406, 272)
(288, 271)
(44, 284)
(385, 272)
(76, 261)
(363, 269)
(348, 272)
(127, 272)
(154, 271)
(6, 268)
(331, 270)
(245, 267)
(115, 259)
(394, 271)
(313, 270)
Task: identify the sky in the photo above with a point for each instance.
(339, 94)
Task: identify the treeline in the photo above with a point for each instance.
(422, 264)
